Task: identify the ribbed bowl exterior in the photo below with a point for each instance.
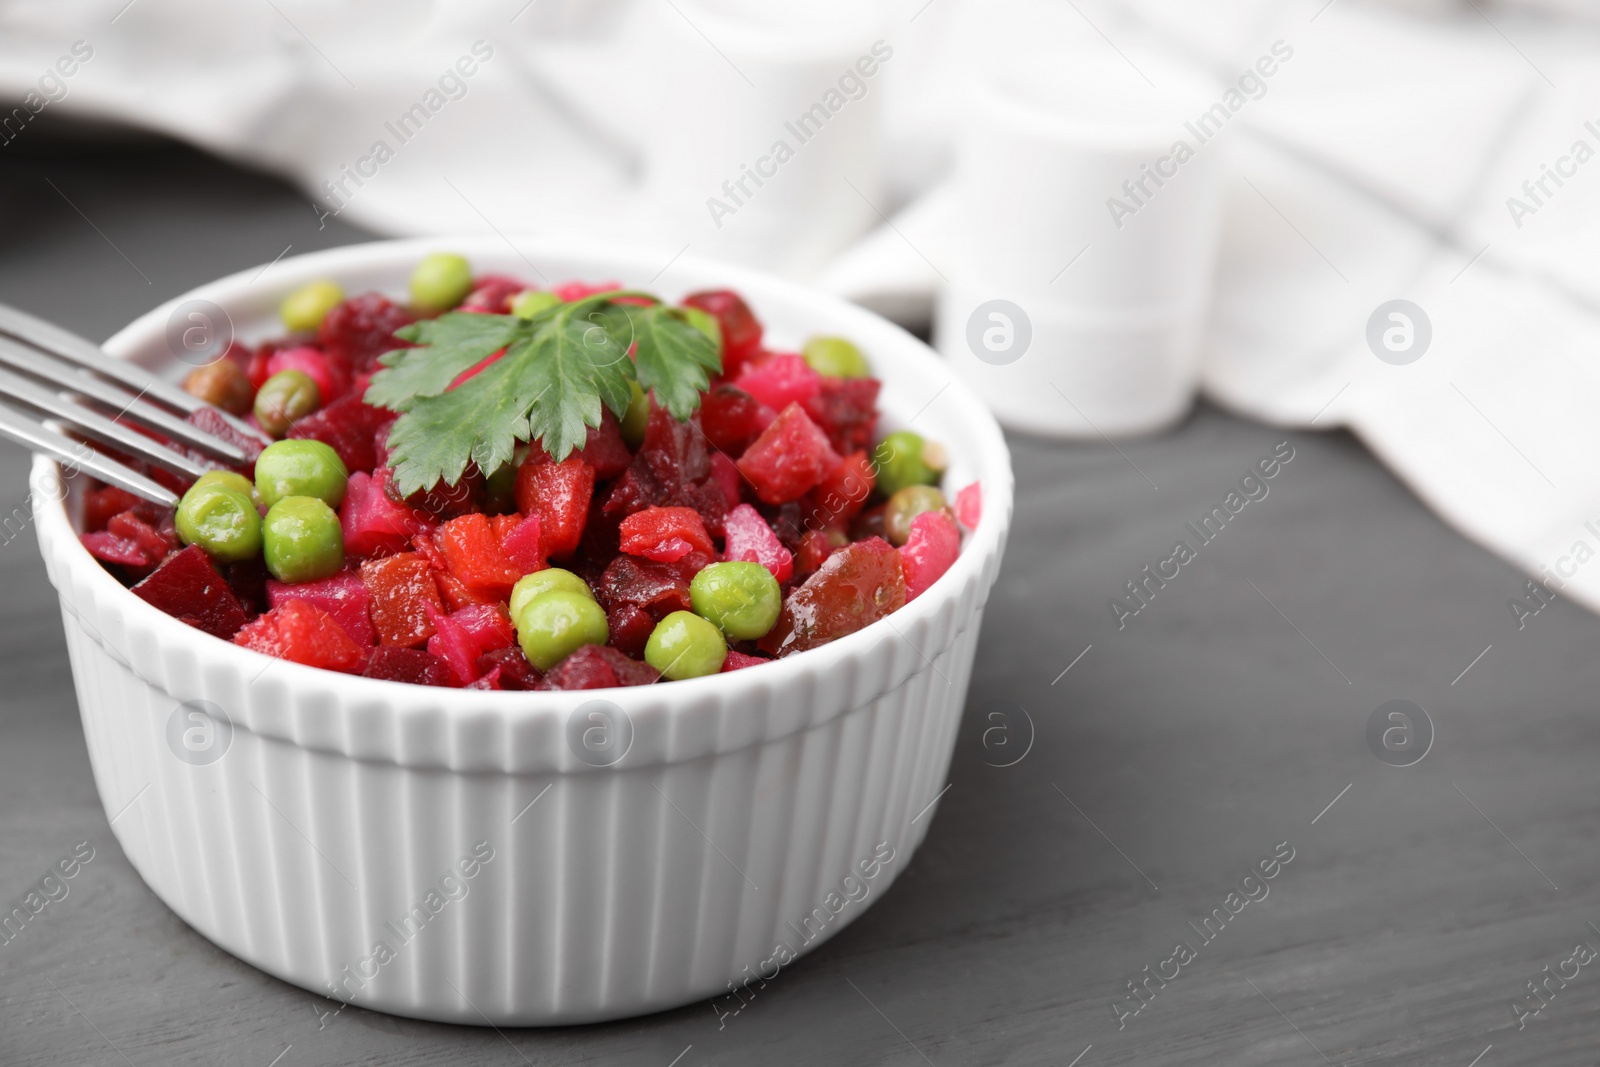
(451, 855)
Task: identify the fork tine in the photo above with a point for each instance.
(78, 456)
(94, 424)
(68, 346)
(38, 364)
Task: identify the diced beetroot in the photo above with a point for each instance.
(840, 496)
(217, 425)
(456, 594)
(349, 427)
(109, 548)
(344, 597)
(929, 551)
(738, 661)
(331, 375)
(187, 585)
(130, 526)
(248, 580)
(578, 290)
(630, 628)
(732, 418)
(857, 586)
(375, 525)
(408, 665)
(472, 555)
(657, 588)
(969, 505)
(452, 643)
(361, 329)
(402, 589)
(101, 503)
(487, 625)
(605, 449)
(599, 667)
(255, 367)
(443, 501)
(558, 493)
(846, 409)
(665, 534)
(727, 477)
(672, 469)
(741, 332)
(299, 632)
(520, 543)
(492, 293)
(780, 380)
(750, 539)
(516, 673)
(790, 457)
(424, 546)
(815, 548)
(489, 682)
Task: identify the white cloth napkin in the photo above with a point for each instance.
(1377, 167)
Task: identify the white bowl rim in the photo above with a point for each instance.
(993, 472)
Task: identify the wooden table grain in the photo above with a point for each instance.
(1112, 788)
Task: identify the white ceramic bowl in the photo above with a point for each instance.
(315, 811)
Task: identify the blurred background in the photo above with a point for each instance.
(1159, 238)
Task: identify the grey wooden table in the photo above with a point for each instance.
(1227, 720)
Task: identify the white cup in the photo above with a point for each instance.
(1084, 243)
(767, 148)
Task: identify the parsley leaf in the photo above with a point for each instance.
(548, 385)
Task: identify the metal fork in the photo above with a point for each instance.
(47, 371)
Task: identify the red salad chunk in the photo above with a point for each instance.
(929, 551)
(790, 457)
(299, 632)
(403, 590)
(187, 586)
(344, 598)
(361, 329)
(349, 427)
(408, 665)
(665, 535)
(780, 380)
(599, 667)
(732, 419)
(741, 331)
(559, 494)
(374, 524)
(858, 585)
(751, 540)
(739, 453)
(738, 661)
(472, 555)
(969, 505)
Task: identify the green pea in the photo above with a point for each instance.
(300, 468)
(301, 540)
(898, 460)
(555, 624)
(285, 397)
(835, 357)
(742, 599)
(221, 520)
(637, 417)
(706, 323)
(905, 505)
(441, 281)
(683, 645)
(304, 309)
(549, 580)
(227, 480)
(529, 302)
